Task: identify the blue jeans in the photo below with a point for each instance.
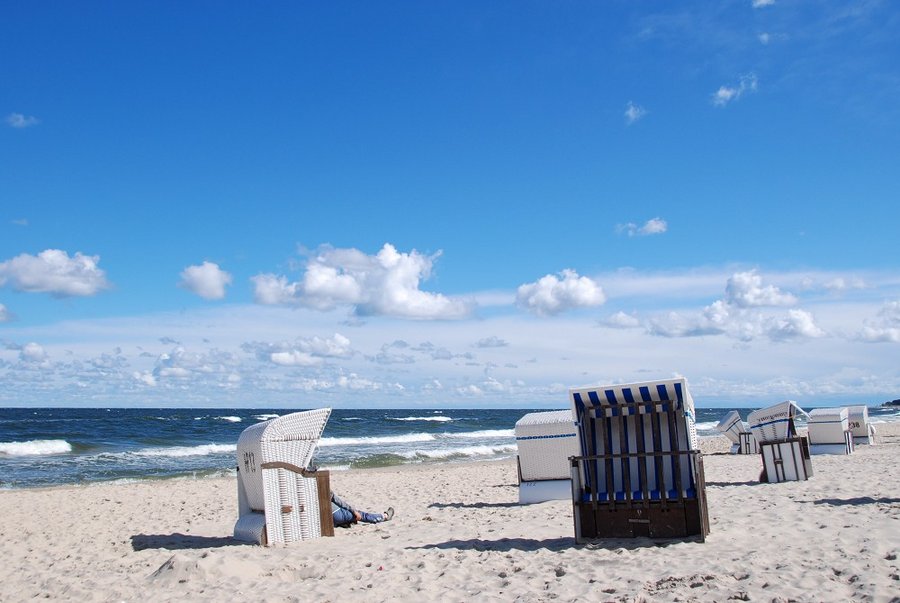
(343, 517)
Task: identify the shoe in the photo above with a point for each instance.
(389, 514)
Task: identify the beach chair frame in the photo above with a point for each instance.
(786, 460)
(641, 472)
(279, 499)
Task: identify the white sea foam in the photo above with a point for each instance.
(394, 439)
(444, 453)
(230, 419)
(440, 419)
(707, 426)
(177, 451)
(34, 448)
(486, 433)
(266, 417)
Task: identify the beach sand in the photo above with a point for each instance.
(460, 535)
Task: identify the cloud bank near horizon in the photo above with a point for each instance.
(763, 336)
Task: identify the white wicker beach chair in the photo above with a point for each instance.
(863, 431)
(640, 472)
(279, 499)
(785, 454)
(829, 431)
(546, 441)
(738, 431)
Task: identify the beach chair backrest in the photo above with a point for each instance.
(628, 424)
(290, 439)
(775, 422)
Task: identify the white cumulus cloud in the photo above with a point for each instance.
(53, 271)
(19, 120)
(555, 294)
(633, 113)
(798, 324)
(727, 94)
(650, 227)
(745, 290)
(5, 315)
(206, 280)
(32, 352)
(762, 3)
(385, 284)
(885, 328)
(621, 320)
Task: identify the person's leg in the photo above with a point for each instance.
(343, 517)
(371, 517)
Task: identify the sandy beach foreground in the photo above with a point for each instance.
(460, 535)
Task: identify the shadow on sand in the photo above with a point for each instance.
(476, 505)
(862, 500)
(177, 541)
(552, 544)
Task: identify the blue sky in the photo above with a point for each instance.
(448, 203)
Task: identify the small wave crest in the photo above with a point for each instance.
(464, 451)
(179, 451)
(439, 419)
(485, 433)
(35, 448)
(266, 417)
(363, 440)
(230, 419)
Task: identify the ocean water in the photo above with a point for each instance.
(54, 446)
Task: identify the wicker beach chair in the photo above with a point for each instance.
(738, 431)
(829, 431)
(863, 431)
(640, 472)
(279, 499)
(785, 454)
(546, 441)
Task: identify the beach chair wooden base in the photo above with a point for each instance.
(786, 460)
(675, 520)
(671, 516)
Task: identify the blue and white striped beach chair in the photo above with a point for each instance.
(640, 472)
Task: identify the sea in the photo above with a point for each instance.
(83, 446)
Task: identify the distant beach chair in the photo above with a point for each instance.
(863, 431)
(738, 431)
(785, 454)
(829, 431)
(640, 471)
(279, 499)
(546, 441)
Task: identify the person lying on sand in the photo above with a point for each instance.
(346, 514)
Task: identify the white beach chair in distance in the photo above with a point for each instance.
(279, 499)
(546, 441)
(785, 454)
(829, 431)
(738, 431)
(640, 471)
(858, 419)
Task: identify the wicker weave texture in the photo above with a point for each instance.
(288, 500)
(545, 441)
(827, 425)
